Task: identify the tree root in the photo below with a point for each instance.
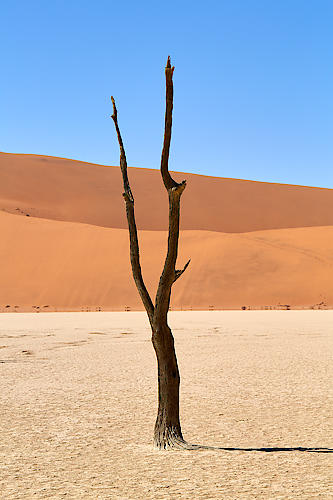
(172, 438)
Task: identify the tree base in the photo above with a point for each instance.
(171, 438)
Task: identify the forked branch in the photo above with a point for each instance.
(167, 431)
(134, 243)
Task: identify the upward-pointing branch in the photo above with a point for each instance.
(169, 274)
(123, 161)
(167, 179)
(134, 244)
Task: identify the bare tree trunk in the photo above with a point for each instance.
(167, 427)
(167, 431)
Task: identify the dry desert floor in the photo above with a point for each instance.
(78, 404)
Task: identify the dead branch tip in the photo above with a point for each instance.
(114, 115)
(168, 67)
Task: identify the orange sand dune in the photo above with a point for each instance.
(67, 266)
(68, 190)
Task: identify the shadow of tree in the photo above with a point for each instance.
(271, 450)
(265, 450)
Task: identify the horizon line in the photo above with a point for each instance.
(174, 171)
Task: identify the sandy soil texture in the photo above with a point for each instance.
(78, 404)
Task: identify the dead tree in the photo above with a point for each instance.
(167, 431)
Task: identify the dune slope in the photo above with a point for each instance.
(69, 190)
(64, 242)
(70, 266)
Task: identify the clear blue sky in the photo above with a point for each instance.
(253, 84)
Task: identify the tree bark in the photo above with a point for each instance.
(134, 243)
(167, 427)
(167, 433)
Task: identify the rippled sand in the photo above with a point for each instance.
(78, 404)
